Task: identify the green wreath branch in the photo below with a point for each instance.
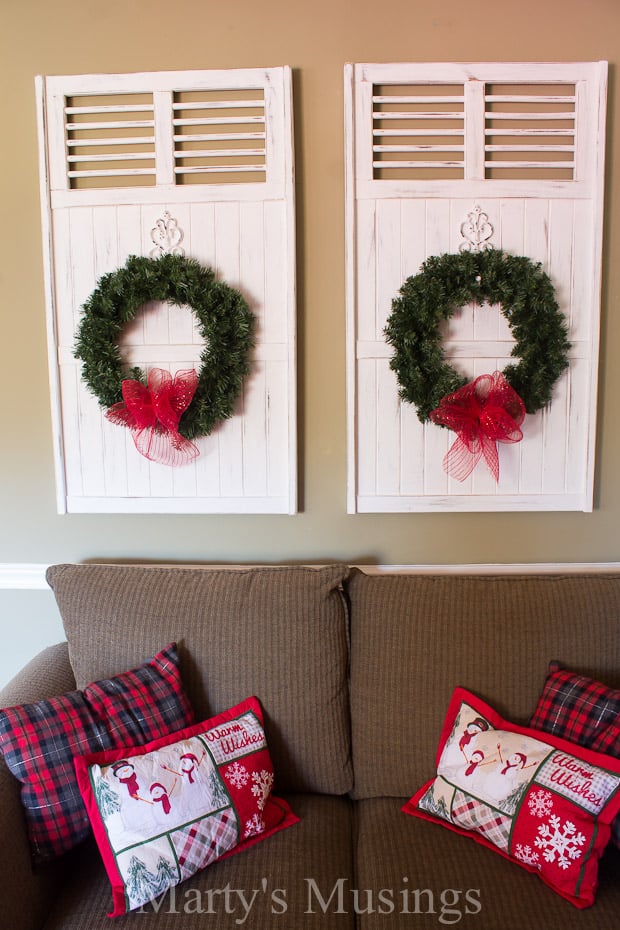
(225, 322)
(445, 283)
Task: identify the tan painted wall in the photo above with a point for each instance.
(316, 38)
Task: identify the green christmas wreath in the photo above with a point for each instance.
(225, 322)
(447, 282)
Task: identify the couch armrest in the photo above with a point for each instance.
(27, 896)
(47, 675)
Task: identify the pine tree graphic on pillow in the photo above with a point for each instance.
(143, 886)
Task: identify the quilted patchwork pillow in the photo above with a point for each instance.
(536, 799)
(582, 710)
(40, 740)
(164, 811)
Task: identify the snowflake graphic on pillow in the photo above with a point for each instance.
(540, 803)
(559, 841)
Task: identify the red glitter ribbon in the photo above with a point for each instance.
(152, 413)
(482, 413)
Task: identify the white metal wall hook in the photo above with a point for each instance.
(476, 231)
(166, 237)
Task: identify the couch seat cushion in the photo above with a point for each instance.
(277, 632)
(414, 863)
(268, 885)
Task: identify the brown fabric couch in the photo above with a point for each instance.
(354, 672)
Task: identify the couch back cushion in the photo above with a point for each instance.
(414, 638)
(279, 633)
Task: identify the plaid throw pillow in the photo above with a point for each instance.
(40, 740)
(583, 711)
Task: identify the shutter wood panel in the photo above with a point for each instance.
(199, 161)
(445, 156)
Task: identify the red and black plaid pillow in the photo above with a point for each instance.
(583, 711)
(40, 740)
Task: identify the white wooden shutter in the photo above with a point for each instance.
(200, 161)
(444, 156)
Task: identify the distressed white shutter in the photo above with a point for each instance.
(205, 158)
(509, 154)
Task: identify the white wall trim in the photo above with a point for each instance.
(18, 576)
(495, 568)
(30, 576)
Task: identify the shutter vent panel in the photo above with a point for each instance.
(418, 132)
(197, 163)
(219, 137)
(110, 140)
(450, 157)
(530, 132)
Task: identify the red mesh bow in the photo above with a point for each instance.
(482, 413)
(152, 414)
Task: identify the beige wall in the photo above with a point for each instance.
(316, 37)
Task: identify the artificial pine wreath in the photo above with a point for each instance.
(445, 283)
(225, 322)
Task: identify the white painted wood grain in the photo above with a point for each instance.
(394, 225)
(244, 231)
